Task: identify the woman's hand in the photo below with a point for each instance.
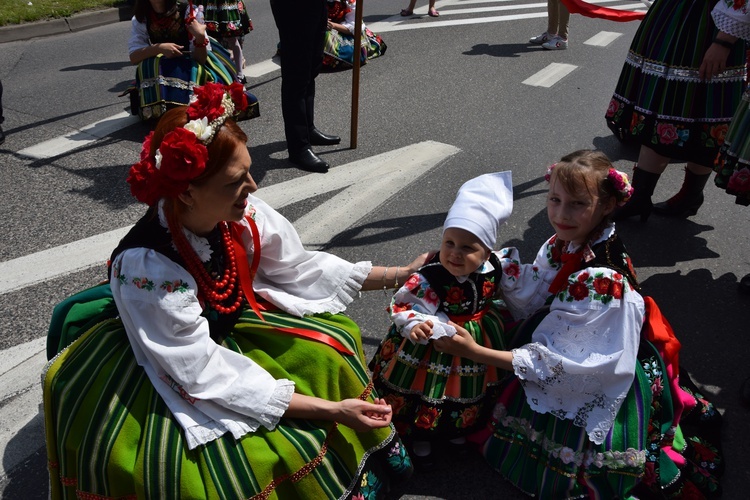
(363, 416)
(462, 344)
(420, 261)
(170, 49)
(715, 58)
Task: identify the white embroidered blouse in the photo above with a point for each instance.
(581, 361)
(732, 17)
(210, 389)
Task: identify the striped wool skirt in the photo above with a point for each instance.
(110, 435)
(434, 394)
(664, 442)
(660, 101)
(338, 49)
(733, 163)
(162, 82)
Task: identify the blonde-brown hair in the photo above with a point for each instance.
(583, 169)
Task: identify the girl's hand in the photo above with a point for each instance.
(421, 331)
(196, 29)
(329, 27)
(363, 416)
(462, 344)
(170, 49)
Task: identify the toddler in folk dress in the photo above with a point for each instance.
(435, 395)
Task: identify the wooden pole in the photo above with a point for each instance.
(355, 72)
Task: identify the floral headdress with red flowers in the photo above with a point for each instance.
(182, 154)
(618, 179)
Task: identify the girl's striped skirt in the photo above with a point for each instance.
(109, 434)
(434, 394)
(660, 101)
(162, 83)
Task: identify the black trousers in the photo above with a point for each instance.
(2, 118)
(302, 25)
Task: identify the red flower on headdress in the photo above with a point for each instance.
(143, 184)
(207, 102)
(146, 149)
(238, 96)
(183, 155)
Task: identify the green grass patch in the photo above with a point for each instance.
(26, 11)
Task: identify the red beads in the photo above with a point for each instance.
(214, 291)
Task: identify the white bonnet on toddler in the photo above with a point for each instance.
(482, 205)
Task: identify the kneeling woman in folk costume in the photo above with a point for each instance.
(200, 383)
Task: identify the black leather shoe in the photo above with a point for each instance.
(318, 138)
(309, 161)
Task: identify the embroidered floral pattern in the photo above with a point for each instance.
(178, 388)
(144, 284)
(427, 417)
(713, 135)
(174, 286)
(599, 287)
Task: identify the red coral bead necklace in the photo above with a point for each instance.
(214, 291)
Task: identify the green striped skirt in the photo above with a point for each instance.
(434, 394)
(110, 435)
(165, 82)
(660, 101)
(733, 163)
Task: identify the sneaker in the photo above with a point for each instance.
(555, 43)
(540, 39)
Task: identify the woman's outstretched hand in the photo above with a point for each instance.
(363, 416)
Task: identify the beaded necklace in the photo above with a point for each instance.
(214, 291)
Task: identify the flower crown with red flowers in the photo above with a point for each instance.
(182, 154)
(618, 179)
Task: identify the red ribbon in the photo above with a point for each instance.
(247, 275)
(590, 10)
(571, 262)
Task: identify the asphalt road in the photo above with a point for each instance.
(459, 85)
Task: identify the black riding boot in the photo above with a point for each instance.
(640, 202)
(688, 199)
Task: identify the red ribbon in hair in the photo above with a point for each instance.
(590, 10)
(571, 262)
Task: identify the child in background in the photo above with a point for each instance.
(556, 36)
(597, 407)
(228, 22)
(434, 395)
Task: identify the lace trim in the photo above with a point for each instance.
(680, 74)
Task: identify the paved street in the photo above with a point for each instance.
(453, 97)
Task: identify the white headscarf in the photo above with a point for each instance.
(482, 205)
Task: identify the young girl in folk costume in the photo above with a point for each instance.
(435, 395)
(228, 22)
(595, 408)
(339, 38)
(169, 44)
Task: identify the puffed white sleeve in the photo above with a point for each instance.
(300, 281)
(138, 36)
(350, 18)
(524, 287)
(581, 360)
(416, 302)
(732, 18)
(209, 388)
